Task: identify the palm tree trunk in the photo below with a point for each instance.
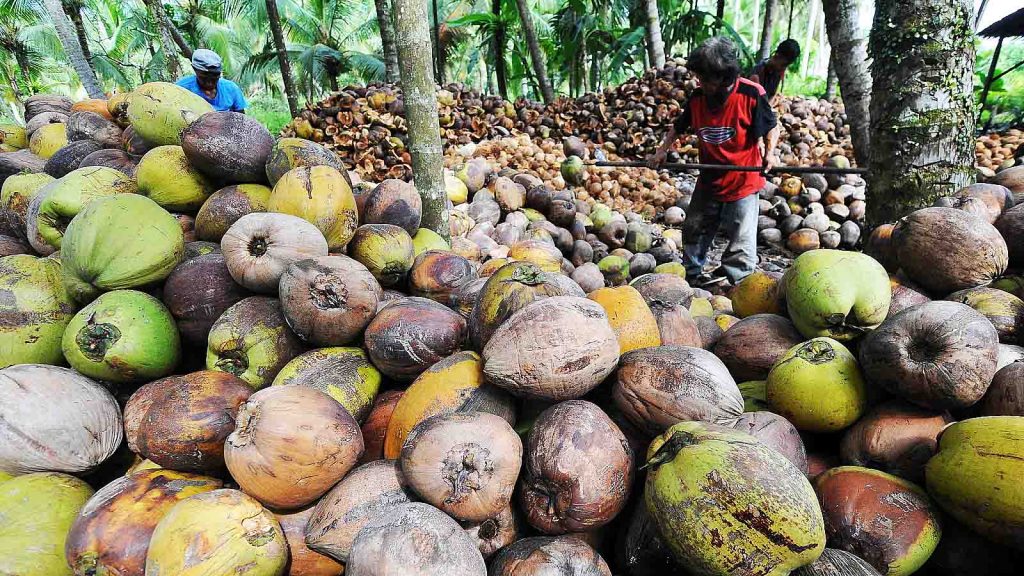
(500, 70)
(830, 80)
(438, 49)
(412, 37)
(652, 30)
(720, 15)
(771, 12)
(72, 48)
(179, 39)
(922, 104)
(536, 56)
(74, 13)
(156, 9)
(850, 59)
(282, 57)
(812, 23)
(387, 39)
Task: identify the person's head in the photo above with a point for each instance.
(208, 66)
(787, 52)
(716, 65)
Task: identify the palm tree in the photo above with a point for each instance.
(536, 56)
(282, 57)
(387, 39)
(652, 27)
(170, 54)
(72, 48)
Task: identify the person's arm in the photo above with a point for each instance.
(766, 129)
(239, 104)
(678, 127)
(771, 144)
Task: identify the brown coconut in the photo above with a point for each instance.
(466, 463)
(777, 433)
(303, 561)
(438, 274)
(87, 125)
(1011, 225)
(880, 246)
(197, 292)
(750, 347)
(895, 437)
(291, 445)
(556, 348)
(578, 469)
(69, 158)
(414, 538)
(375, 427)
(228, 147)
(495, 533)
(393, 202)
(410, 335)
(258, 248)
(1005, 397)
(328, 300)
(225, 206)
(833, 562)
(904, 294)
(111, 158)
(181, 422)
(547, 556)
(940, 355)
(1012, 178)
(9, 246)
(945, 250)
(366, 493)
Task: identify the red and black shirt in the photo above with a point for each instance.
(729, 135)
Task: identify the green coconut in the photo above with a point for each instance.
(53, 208)
(755, 396)
(226, 206)
(976, 476)
(36, 513)
(160, 112)
(252, 341)
(426, 239)
(123, 336)
(572, 170)
(726, 504)
(386, 250)
(615, 270)
(837, 294)
(321, 196)
(13, 136)
(344, 374)
(118, 242)
(674, 268)
(16, 195)
(817, 386)
(34, 310)
(166, 177)
(291, 153)
(47, 140)
(217, 533)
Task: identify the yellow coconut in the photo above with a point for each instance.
(426, 239)
(320, 195)
(344, 374)
(47, 140)
(544, 254)
(13, 136)
(633, 322)
(701, 307)
(167, 178)
(757, 294)
(160, 111)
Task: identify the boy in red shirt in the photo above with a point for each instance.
(731, 117)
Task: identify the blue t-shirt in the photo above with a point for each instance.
(229, 95)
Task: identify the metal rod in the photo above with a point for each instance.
(678, 167)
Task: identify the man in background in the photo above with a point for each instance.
(731, 117)
(222, 94)
(770, 72)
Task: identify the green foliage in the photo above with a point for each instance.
(1005, 104)
(271, 111)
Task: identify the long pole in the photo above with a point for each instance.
(682, 166)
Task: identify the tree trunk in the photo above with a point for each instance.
(438, 50)
(74, 12)
(179, 40)
(536, 55)
(387, 39)
(922, 104)
(771, 12)
(73, 49)
(652, 30)
(830, 80)
(852, 70)
(812, 23)
(282, 57)
(720, 14)
(499, 50)
(412, 35)
(156, 9)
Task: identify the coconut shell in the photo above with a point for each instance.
(281, 442)
(39, 121)
(258, 248)
(493, 534)
(414, 538)
(375, 426)
(111, 158)
(777, 433)
(225, 206)
(367, 493)
(834, 562)
(290, 153)
(55, 419)
(303, 561)
(112, 532)
(904, 294)
(1012, 178)
(252, 341)
(752, 346)
(228, 147)
(409, 336)
(1005, 397)
(881, 247)
(1011, 225)
(658, 387)
(86, 125)
(42, 103)
(69, 158)
(557, 348)
(197, 292)
(945, 250)
(386, 250)
(558, 556)
(1004, 310)
(578, 469)
(437, 275)
(895, 437)
(344, 374)
(939, 355)
(329, 300)
(22, 161)
(181, 422)
(887, 521)
(393, 202)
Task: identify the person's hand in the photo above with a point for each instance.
(657, 159)
(771, 161)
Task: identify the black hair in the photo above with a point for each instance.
(789, 49)
(716, 57)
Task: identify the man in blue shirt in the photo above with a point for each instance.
(222, 94)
